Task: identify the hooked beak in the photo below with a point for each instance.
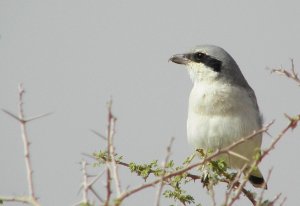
(179, 59)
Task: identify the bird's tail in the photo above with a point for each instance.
(257, 179)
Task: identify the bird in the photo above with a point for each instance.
(222, 108)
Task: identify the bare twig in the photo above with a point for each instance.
(21, 199)
(274, 200)
(112, 157)
(85, 189)
(26, 144)
(234, 184)
(31, 199)
(290, 74)
(88, 186)
(263, 190)
(240, 188)
(238, 155)
(111, 161)
(108, 186)
(168, 154)
(283, 201)
(292, 124)
(212, 194)
(249, 195)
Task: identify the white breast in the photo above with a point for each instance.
(221, 114)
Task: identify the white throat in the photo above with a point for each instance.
(201, 73)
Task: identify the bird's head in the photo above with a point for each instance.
(210, 63)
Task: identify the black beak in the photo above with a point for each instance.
(179, 59)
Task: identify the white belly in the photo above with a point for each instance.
(220, 115)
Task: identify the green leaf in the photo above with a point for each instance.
(145, 170)
(170, 164)
(189, 159)
(179, 195)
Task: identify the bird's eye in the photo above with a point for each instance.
(198, 56)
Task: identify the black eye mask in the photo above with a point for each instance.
(209, 61)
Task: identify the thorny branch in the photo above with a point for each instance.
(88, 185)
(292, 124)
(84, 183)
(26, 144)
(111, 164)
(260, 199)
(21, 199)
(272, 203)
(184, 170)
(32, 198)
(290, 74)
(234, 184)
(237, 186)
(110, 137)
(108, 171)
(159, 191)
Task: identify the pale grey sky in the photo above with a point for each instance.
(73, 55)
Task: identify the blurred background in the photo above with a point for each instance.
(73, 56)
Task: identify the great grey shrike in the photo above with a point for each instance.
(222, 107)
